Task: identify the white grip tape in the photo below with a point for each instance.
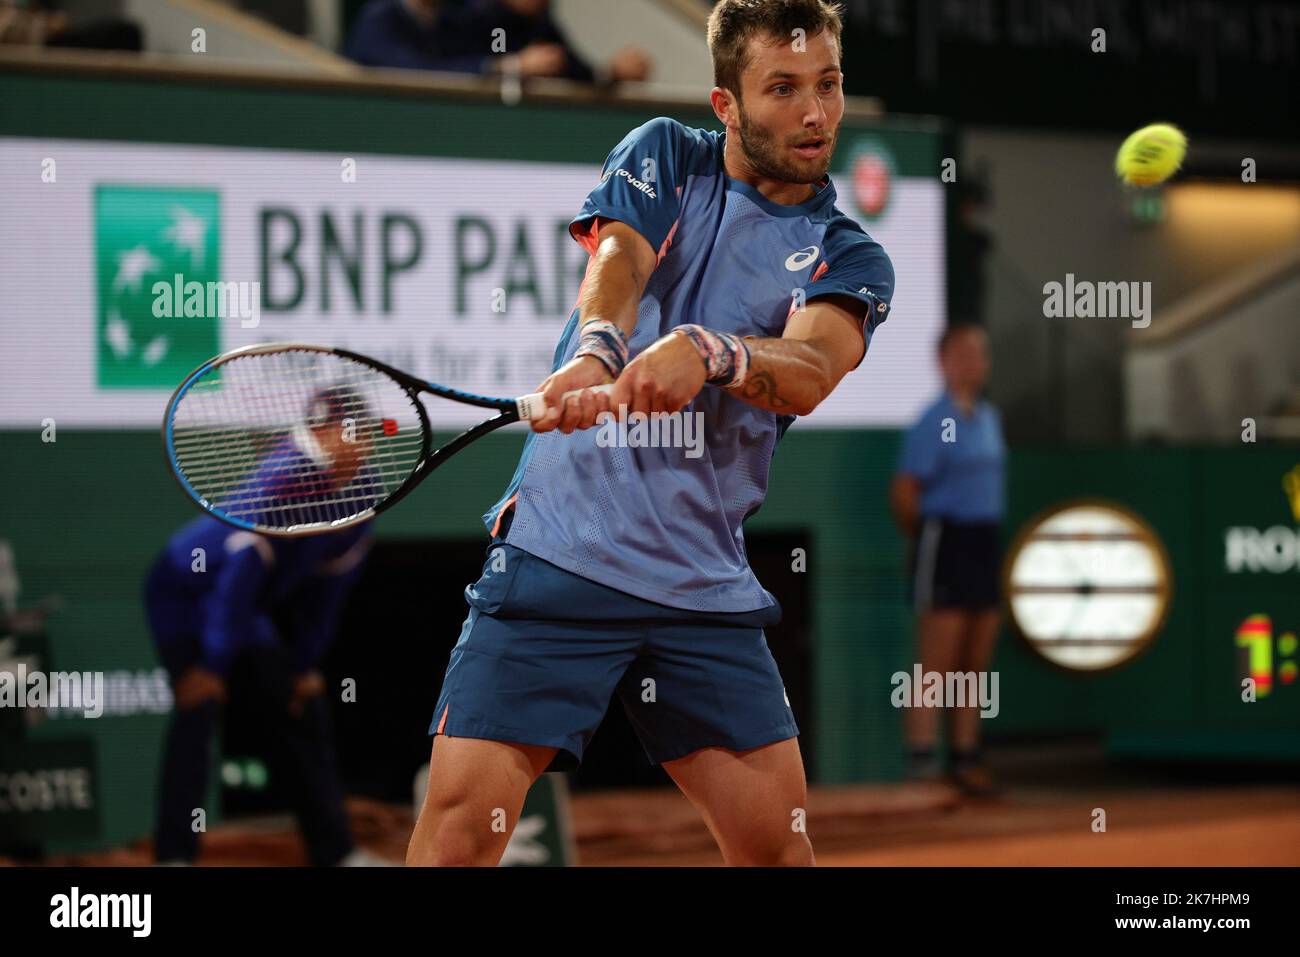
(534, 406)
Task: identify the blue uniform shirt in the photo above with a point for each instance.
(963, 480)
(250, 581)
(652, 521)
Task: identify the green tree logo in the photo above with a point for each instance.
(146, 235)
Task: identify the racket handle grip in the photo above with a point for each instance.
(534, 406)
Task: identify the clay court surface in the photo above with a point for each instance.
(1153, 818)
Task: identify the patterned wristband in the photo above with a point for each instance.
(726, 357)
(605, 341)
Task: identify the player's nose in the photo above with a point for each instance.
(814, 116)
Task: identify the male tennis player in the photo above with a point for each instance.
(623, 568)
(229, 605)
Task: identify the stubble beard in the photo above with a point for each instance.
(766, 154)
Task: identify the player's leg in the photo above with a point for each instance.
(754, 802)
(526, 684)
(707, 702)
(476, 791)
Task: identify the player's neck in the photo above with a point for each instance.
(779, 191)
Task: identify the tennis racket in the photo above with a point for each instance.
(290, 439)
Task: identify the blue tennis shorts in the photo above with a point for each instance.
(543, 651)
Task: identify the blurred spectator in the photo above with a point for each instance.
(412, 35)
(40, 23)
(426, 34)
(535, 45)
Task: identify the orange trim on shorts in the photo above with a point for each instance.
(443, 723)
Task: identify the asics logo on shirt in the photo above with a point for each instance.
(635, 183)
(801, 258)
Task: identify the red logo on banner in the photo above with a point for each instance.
(871, 182)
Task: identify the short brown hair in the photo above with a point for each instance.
(733, 23)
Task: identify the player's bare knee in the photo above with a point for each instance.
(455, 836)
(778, 844)
(445, 848)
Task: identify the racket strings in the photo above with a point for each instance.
(295, 438)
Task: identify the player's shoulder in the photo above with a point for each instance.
(847, 246)
(685, 143)
(845, 235)
(665, 127)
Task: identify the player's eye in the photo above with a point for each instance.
(781, 89)
(829, 85)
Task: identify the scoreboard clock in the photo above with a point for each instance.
(1087, 585)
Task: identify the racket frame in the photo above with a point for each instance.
(430, 458)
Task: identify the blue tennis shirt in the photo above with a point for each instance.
(659, 522)
(963, 480)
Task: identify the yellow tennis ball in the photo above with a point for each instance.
(1151, 155)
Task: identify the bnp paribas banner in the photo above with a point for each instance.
(126, 265)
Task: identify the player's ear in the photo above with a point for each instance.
(723, 103)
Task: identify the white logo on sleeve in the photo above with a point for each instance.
(635, 183)
(801, 258)
(881, 306)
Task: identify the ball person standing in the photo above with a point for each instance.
(948, 496)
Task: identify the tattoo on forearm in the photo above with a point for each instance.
(761, 385)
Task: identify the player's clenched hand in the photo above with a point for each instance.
(575, 412)
(664, 378)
